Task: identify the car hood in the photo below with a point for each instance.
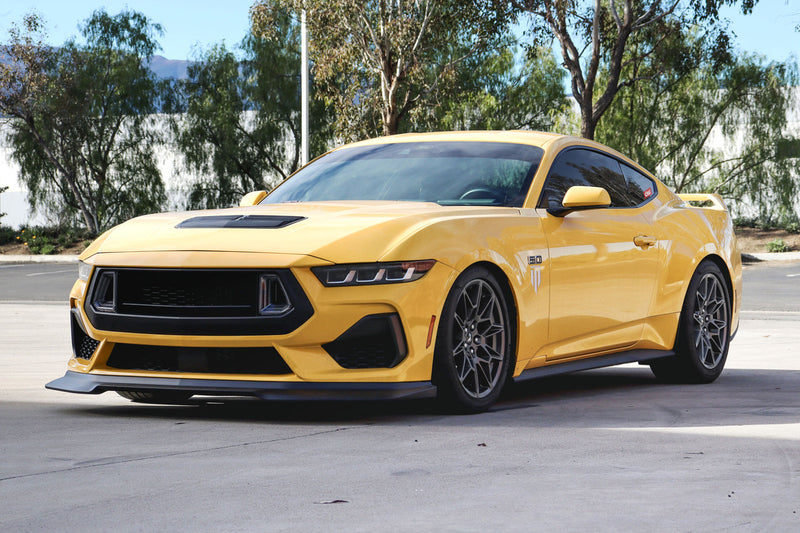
(335, 232)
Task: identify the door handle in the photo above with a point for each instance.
(644, 241)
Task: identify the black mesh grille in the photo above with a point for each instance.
(375, 341)
(265, 360)
(197, 301)
(187, 293)
(82, 344)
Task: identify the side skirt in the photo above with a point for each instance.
(619, 358)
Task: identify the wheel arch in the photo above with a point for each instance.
(511, 299)
(719, 262)
(726, 275)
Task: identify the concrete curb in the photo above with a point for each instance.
(38, 258)
(771, 256)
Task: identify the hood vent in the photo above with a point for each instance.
(239, 221)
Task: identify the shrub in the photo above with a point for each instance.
(778, 245)
(8, 235)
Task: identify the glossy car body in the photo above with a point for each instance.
(579, 286)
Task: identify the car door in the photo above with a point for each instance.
(603, 261)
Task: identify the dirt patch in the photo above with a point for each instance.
(753, 240)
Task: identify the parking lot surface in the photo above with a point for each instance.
(603, 450)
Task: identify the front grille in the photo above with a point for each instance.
(83, 346)
(375, 341)
(187, 293)
(265, 360)
(197, 301)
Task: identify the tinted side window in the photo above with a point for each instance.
(640, 187)
(588, 168)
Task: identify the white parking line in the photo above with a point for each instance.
(46, 273)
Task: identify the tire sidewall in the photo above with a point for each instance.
(445, 375)
(684, 345)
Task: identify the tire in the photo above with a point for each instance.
(701, 343)
(155, 396)
(474, 343)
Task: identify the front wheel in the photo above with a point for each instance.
(701, 345)
(474, 344)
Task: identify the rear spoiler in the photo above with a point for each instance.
(715, 199)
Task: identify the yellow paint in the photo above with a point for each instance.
(605, 279)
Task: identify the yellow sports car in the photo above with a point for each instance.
(415, 265)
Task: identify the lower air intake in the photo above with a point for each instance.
(200, 360)
(375, 341)
(83, 346)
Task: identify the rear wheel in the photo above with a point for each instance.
(474, 346)
(155, 396)
(701, 345)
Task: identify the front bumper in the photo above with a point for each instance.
(266, 390)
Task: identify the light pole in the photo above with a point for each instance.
(303, 89)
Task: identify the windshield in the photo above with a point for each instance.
(448, 173)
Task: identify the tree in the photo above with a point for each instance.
(603, 29)
(378, 60)
(81, 118)
(240, 122)
(712, 124)
(497, 94)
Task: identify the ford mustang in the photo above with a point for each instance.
(440, 264)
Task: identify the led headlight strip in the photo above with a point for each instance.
(372, 273)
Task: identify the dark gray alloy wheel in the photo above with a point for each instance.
(474, 343)
(155, 396)
(701, 345)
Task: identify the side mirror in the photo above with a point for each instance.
(252, 198)
(580, 197)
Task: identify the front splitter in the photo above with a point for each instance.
(266, 390)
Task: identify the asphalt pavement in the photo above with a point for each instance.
(602, 450)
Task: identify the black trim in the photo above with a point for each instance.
(600, 361)
(375, 341)
(540, 201)
(201, 360)
(266, 390)
(240, 221)
(205, 325)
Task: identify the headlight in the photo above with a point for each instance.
(372, 273)
(84, 270)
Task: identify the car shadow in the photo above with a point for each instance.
(616, 397)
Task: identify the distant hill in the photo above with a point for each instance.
(169, 68)
(160, 65)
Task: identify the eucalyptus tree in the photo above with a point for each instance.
(709, 123)
(500, 90)
(594, 37)
(237, 121)
(377, 61)
(81, 118)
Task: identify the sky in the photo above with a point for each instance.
(192, 26)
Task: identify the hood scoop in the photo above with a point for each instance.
(239, 221)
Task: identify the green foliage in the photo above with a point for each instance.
(45, 240)
(82, 130)
(703, 123)
(379, 62)
(599, 40)
(241, 127)
(8, 235)
(777, 245)
(496, 95)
